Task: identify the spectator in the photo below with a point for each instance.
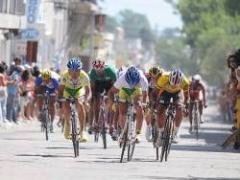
(3, 94)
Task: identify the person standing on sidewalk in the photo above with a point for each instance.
(3, 94)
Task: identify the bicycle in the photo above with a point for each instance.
(154, 128)
(102, 118)
(128, 133)
(44, 115)
(196, 117)
(167, 136)
(74, 124)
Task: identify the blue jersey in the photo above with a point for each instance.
(51, 87)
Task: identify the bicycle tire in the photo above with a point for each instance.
(154, 137)
(163, 142)
(46, 125)
(169, 138)
(196, 121)
(131, 148)
(74, 136)
(166, 139)
(124, 145)
(103, 130)
(104, 137)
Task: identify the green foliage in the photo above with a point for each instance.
(212, 29)
(111, 24)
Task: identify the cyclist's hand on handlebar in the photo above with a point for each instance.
(61, 99)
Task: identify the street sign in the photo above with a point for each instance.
(30, 34)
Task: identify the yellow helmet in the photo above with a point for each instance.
(155, 71)
(46, 74)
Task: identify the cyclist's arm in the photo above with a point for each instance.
(60, 90)
(111, 93)
(88, 93)
(204, 94)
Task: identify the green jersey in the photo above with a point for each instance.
(109, 74)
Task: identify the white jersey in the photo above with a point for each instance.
(122, 83)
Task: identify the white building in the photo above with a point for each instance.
(11, 20)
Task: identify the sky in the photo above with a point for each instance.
(158, 12)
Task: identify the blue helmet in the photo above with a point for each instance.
(132, 76)
(74, 64)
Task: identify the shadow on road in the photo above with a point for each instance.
(184, 178)
(21, 139)
(102, 160)
(44, 155)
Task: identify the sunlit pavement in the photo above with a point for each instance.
(24, 154)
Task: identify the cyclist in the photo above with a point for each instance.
(153, 74)
(45, 82)
(75, 83)
(102, 77)
(170, 85)
(197, 92)
(131, 85)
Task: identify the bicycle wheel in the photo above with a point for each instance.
(74, 137)
(46, 125)
(131, 148)
(125, 139)
(170, 138)
(103, 130)
(196, 121)
(104, 137)
(166, 139)
(154, 137)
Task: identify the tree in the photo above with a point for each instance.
(111, 24)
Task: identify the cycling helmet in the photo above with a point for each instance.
(132, 76)
(98, 64)
(197, 77)
(175, 77)
(155, 71)
(74, 64)
(46, 74)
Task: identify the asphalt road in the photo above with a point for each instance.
(24, 154)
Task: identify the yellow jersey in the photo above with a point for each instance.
(163, 83)
(74, 87)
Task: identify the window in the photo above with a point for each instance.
(12, 6)
(20, 7)
(3, 6)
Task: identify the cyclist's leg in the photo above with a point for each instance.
(200, 109)
(123, 97)
(137, 99)
(82, 119)
(177, 99)
(163, 103)
(66, 112)
(190, 115)
(52, 101)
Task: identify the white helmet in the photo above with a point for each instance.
(175, 77)
(197, 77)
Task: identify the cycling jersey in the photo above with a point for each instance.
(109, 74)
(163, 83)
(51, 86)
(121, 82)
(74, 87)
(127, 92)
(195, 90)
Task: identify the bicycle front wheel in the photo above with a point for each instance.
(125, 139)
(75, 140)
(46, 125)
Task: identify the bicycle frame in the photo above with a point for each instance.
(168, 130)
(73, 119)
(45, 114)
(196, 118)
(102, 120)
(129, 132)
